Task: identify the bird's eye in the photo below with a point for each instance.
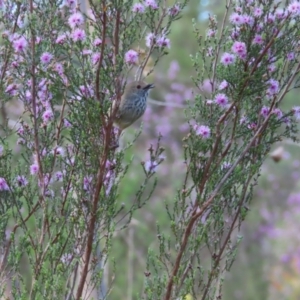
(138, 87)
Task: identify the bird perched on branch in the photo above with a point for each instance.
(133, 103)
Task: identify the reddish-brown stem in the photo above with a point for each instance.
(7, 57)
(218, 258)
(97, 81)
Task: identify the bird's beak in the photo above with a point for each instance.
(149, 86)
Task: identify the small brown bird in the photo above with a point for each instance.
(133, 103)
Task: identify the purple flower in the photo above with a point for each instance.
(75, 20)
(211, 33)
(59, 151)
(47, 116)
(240, 49)
(70, 3)
(21, 181)
(290, 56)
(278, 113)
(221, 100)
(1, 150)
(87, 183)
(131, 57)
(20, 44)
(265, 111)
(59, 68)
(151, 166)
(270, 18)
(95, 58)
(150, 39)
(67, 124)
(78, 35)
(258, 40)
(273, 87)
(202, 130)
(34, 168)
(151, 3)
(280, 13)
(223, 85)
(296, 111)
(271, 68)
(11, 89)
(138, 8)
(173, 11)
(46, 57)
(97, 42)
(86, 52)
(58, 176)
(3, 184)
(227, 59)
(248, 20)
(163, 42)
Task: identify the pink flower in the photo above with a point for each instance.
(70, 3)
(95, 58)
(294, 8)
(20, 44)
(221, 100)
(265, 111)
(202, 130)
(150, 39)
(257, 12)
(75, 20)
(236, 19)
(296, 111)
(97, 42)
(87, 91)
(270, 18)
(131, 57)
(3, 184)
(258, 40)
(211, 33)
(163, 42)
(47, 116)
(46, 57)
(248, 20)
(240, 49)
(151, 3)
(86, 52)
(78, 35)
(223, 85)
(273, 87)
(138, 8)
(280, 13)
(59, 68)
(173, 11)
(61, 39)
(227, 59)
(11, 89)
(34, 168)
